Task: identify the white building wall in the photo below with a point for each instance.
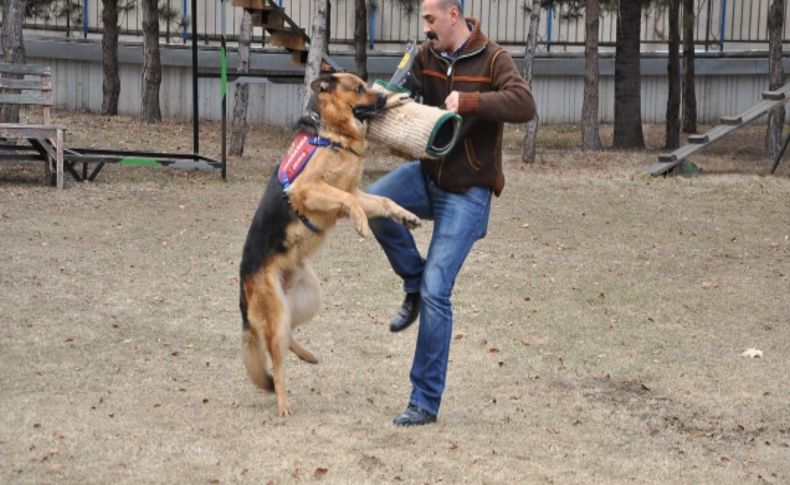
(78, 86)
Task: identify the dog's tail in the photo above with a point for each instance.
(254, 360)
(252, 351)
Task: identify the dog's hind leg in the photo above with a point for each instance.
(277, 338)
(302, 352)
(304, 300)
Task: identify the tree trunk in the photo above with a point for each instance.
(531, 134)
(776, 75)
(238, 130)
(317, 49)
(689, 93)
(591, 139)
(111, 87)
(13, 47)
(152, 65)
(627, 78)
(672, 139)
(360, 38)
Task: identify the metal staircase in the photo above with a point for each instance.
(283, 31)
(728, 124)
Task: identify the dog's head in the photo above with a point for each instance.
(344, 96)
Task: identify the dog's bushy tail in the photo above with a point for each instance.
(252, 351)
(254, 360)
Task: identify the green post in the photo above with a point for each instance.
(223, 67)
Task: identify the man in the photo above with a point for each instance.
(460, 70)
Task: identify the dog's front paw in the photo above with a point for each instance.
(363, 228)
(409, 220)
(360, 221)
(396, 99)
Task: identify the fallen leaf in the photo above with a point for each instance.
(320, 472)
(753, 353)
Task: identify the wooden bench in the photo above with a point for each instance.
(30, 85)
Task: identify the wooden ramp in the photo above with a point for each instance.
(728, 124)
(283, 31)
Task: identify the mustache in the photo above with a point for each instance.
(431, 35)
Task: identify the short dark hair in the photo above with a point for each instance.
(448, 4)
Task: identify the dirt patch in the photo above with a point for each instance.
(664, 414)
(120, 342)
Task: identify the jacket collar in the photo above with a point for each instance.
(474, 44)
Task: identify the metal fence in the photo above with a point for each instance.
(719, 24)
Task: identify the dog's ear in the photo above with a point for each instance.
(324, 84)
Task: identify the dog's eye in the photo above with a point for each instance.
(360, 89)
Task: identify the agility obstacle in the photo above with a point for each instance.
(667, 162)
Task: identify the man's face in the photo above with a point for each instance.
(438, 23)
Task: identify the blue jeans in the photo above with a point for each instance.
(459, 221)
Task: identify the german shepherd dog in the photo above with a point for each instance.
(279, 289)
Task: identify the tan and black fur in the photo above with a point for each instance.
(279, 290)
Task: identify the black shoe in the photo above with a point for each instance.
(414, 416)
(407, 314)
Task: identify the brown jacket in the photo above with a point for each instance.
(492, 92)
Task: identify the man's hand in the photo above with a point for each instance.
(451, 103)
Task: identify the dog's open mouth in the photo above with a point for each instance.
(367, 111)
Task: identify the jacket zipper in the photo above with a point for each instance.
(450, 66)
(450, 72)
